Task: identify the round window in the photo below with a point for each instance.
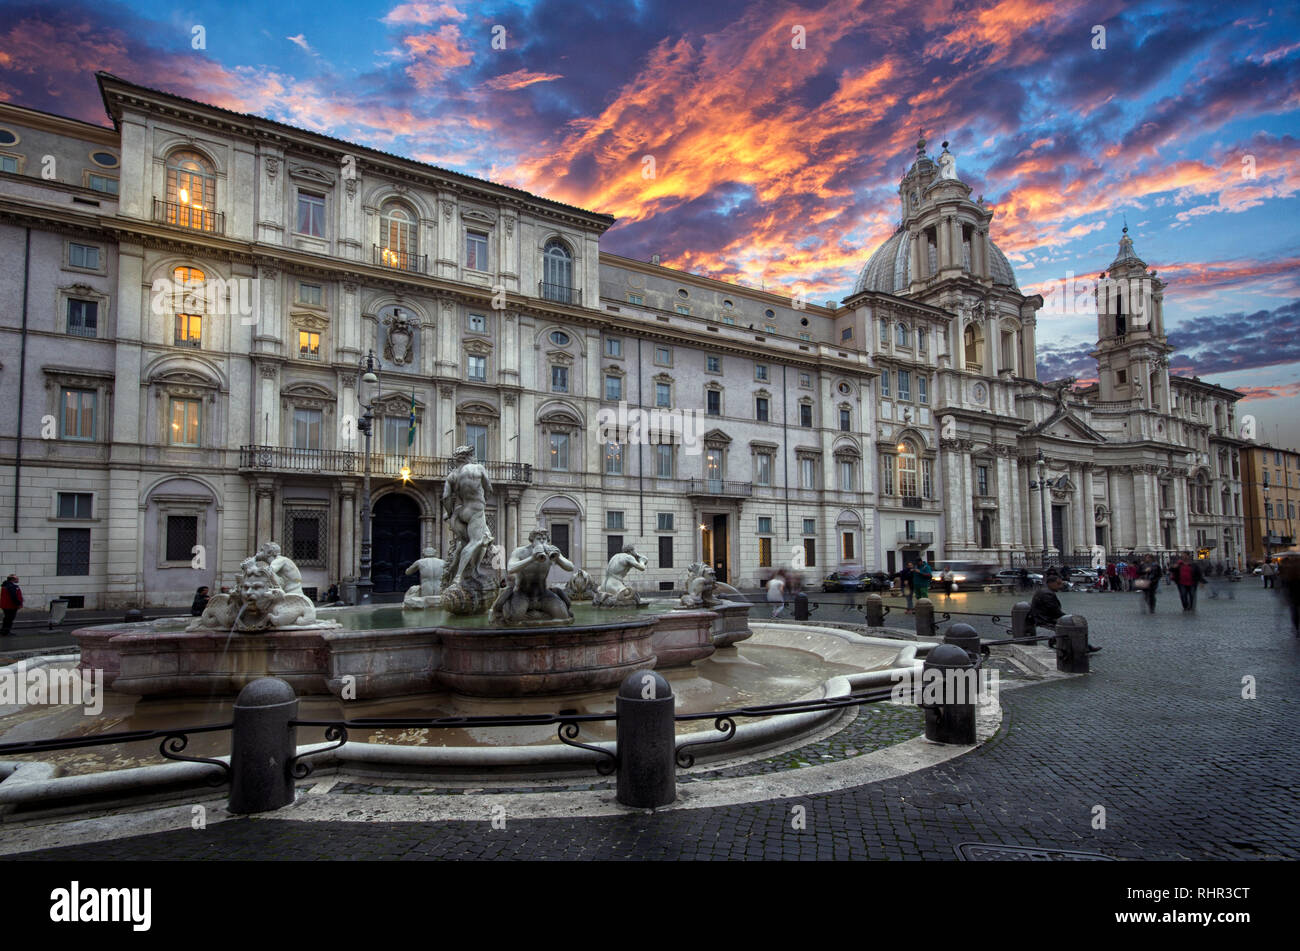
(104, 159)
(845, 389)
(681, 292)
(8, 137)
(769, 313)
(560, 338)
(727, 303)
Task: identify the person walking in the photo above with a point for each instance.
(1269, 573)
(200, 601)
(946, 578)
(1112, 576)
(1288, 573)
(1189, 578)
(1149, 582)
(776, 594)
(1130, 575)
(905, 582)
(11, 601)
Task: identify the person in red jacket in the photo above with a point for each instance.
(11, 599)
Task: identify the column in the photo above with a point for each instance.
(265, 494)
(943, 237)
(1006, 504)
(1035, 518)
(1082, 516)
(955, 242)
(952, 500)
(914, 243)
(347, 568)
(1089, 502)
(1017, 513)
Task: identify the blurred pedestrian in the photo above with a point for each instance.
(1288, 573)
(905, 582)
(1269, 573)
(776, 594)
(1148, 582)
(11, 601)
(921, 579)
(200, 601)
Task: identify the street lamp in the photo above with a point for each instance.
(1268, 532)
(1042, 485)
(366, 392)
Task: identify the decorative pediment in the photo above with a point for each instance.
(760, 445)
(717, 436)
(560, 357)
(305, 320)
(478, 347)
(397, 404)
(77, 379)
(478, 414)
(183, 378)
(478, 217)
(662, 378)
(305, 173)
(613, 370)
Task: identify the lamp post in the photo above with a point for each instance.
(368, 387)
(1268, 532)
(1042, 485)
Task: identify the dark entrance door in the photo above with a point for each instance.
(396, 541)
(720, 547)
(890, 564)
(1058, 528)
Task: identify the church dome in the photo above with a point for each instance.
(888, 270)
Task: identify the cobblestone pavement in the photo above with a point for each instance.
(1159, 736)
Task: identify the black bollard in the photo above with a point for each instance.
(965, 637)
(133, 615)
(801, 607)
(949, 690)
(924, 617)
(1019, 620)
(647, 741)
(1072, 644)
(875, 611)
(262, 746)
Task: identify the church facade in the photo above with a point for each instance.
(190, 299)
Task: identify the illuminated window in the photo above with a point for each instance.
(185, 422)
(308, 345)
(188, 330)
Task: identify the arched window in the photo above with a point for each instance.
(191, 191)
(902, 336)
(557, 272)
(974, 342)
(907, 483)
(398, 241)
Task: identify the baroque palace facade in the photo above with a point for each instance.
(189, 298)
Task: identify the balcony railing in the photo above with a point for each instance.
(560, 293)
(188, 216)
(719, 487)
(347, 462)
(915, 539)
(401, 260)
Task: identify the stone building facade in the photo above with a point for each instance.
(188, 300)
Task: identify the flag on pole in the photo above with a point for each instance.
(410, 430)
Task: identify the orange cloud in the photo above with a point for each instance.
(520, 79)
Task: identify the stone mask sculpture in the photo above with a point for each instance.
(267, 596)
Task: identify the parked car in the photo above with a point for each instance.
(846, 579)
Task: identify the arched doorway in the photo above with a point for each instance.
(396, 541)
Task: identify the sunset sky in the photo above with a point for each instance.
(778, 165)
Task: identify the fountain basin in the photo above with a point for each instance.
(387, 652)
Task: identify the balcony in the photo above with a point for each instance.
(915, 539)
(560, 293)
(343, 462)
(190, 217)
(400, 260)
(720, 488)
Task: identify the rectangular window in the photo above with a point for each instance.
(665, 551)
(83, 317)
(560, 452)
(74, 551)
(887, 475)
(635, 299)
(810, 526)
(665, 523)
(770, 328)
(83, 255)
(922, 389)
(477, 324)
(810, 552)
(1268, 509)
(922, 338)
(185, 422)
(760, 409)
(182, 536)
(613, 347)
(1121, 376)
(8, 163)
(765, 553)
(884, 333)
(683, 309)
(807, 473)
(188, 330)
(805, 415)
(848, 546)
(559, 379)
(75, 504)
(78, 414)
(760, 372)
(613, 387)
(305, 541)
(476, 435)
(311, 214)
(614, 522)
(310, 293)
(306, 429)
(884, 382)
(765, 525)
(477, 367)
(613, 545)
(664, 462)
(308, 345)
(476, 251)
(664, 356)
(846, 420)
(981, 480)
(102, 183)
(763, 468)
(927, 479)
(846, 333)
(613, 460)
(713, 468)
(713, 364)
(713, 403)
(846, 475)
(805, 381)
(663, 394)
(805, 337)
(904, 385)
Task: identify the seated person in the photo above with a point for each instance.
(1045, 608)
